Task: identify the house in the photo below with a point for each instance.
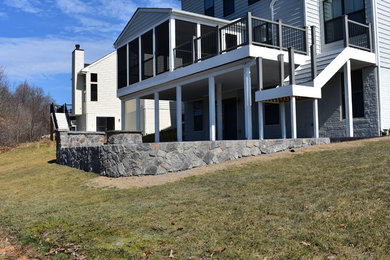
(254, 69)
(95, 106)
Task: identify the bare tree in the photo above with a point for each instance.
(24, 113)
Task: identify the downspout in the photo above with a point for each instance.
(271, 6)
(374, 10)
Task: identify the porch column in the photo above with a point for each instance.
(172, 43)
(219, 112)
(248, 102)
(293, 118)
(179, 124)
(123, 115)
(212, 108)
(198, 43)
(154, 53)
(138, 114)
(156, 117)
(282, 108)
(261, 120)
(315, 119)
(348, 99)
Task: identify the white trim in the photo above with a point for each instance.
(248, 102)
(212, 108)
(293, 111)
(348, 99)
(288, 91)
(123, 115)
(156, 117)
(179, 124)
(172, 43)
(316, 132)
(138, 114)
(260, 109)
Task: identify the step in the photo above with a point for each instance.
(62, 122)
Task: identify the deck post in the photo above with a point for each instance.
(218, 40)
(280, 34)
(248, 102)
(156, 117)
(261, 120)
(123, 115)
(315, 119)
(179, 124)
(193, 49)
(249, 27)
(313, 53)
(260, 78)
(348, 99)
(219, 112)
(293, 117)
(212, 108)
(138, 113)
(281, 69)
(282, 108)
(346, 31)
(291, 65)
(172, 43)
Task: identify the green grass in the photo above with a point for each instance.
(311, 205)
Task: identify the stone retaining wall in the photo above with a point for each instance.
(126, 156)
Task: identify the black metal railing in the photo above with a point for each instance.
(261, 32)
(234, 35)
(357, 34)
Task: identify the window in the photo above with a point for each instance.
(271, 112)
(252, 1)
(105, 124)
(333, 16)
(94, 77)
(94, 92)
(162, 48)
(209, 7)
(209, 43)
(198, 116)
(147, 55)
(122, 66)
(134, 61)
(228, 7)
(185, 31)
(357, 94)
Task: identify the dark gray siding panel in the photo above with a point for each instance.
(290, 12)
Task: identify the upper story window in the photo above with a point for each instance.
(147, 54)
(252, 1)
(94, 86)
(162, 48)
(333, 16)
(228, 7)
(209, 7)
(134, 61)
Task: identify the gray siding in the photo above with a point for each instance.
(290, 12)
(193, 6)
(384, 32)
(140, 23)
(313, 19)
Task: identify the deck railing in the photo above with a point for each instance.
(357, 34)
(261, 32)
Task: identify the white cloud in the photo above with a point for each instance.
(3, 15)
(28, 6)
(74, 6)
(37, 58)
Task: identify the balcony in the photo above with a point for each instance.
(245, 31)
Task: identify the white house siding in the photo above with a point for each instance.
(108, 105)
(383, 26)
(140, 23)
(313, 18)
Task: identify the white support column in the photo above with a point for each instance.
(172, 43)
(212, 108)
(123, 115)
(315, 119)
(293, 118)
(282, 108)
(138, 114)
(156, 117)
(154, 53)
(140, 58)
(179, 124)
(261, 120)
(199, 47)
(348, 99)
(219, 112)
(248, 102)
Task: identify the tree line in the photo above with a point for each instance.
(24, 112)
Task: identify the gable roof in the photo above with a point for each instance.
(145, 18)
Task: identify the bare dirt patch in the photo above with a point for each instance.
(148, 181)
(11, 249)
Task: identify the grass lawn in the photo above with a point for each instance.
(325, 204)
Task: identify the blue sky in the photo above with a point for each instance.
(37, 37)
